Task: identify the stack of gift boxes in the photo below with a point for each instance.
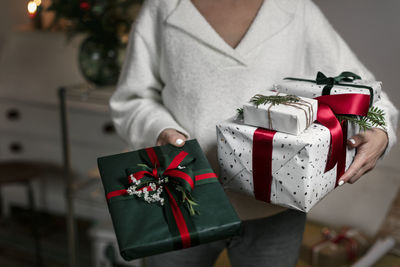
(288, 146)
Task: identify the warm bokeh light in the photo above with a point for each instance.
(32, 8)
(38, 2)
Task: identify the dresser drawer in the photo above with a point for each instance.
(83, 157)
(84, 126)
(20, 147)
(17, 117)
(92, 128)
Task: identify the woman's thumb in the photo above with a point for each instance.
(177, 139)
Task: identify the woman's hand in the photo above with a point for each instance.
(370, 146)
(171, 136)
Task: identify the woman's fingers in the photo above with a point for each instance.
(171, 136)
(354, 170)
(365, 169)
(360, 160)
(370, 146)
(355, 141)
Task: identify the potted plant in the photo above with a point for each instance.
(106, 24)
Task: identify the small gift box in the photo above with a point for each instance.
(279, 168)
(324, 247)
(284, 113)
(345, 83)
(165, 198)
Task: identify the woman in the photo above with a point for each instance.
(190, 64)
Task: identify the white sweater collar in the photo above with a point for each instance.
(188, 19)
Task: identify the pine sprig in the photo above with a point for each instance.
(187, 200)
(273, 99)
(374, 118)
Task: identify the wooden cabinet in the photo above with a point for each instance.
(33, 66)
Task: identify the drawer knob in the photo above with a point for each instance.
(108, 128)
(13, 114)
(16, 147)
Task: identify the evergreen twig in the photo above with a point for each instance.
(273, 99)
(187, 200)
(374, 118)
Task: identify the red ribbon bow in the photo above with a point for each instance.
(172, 171)
(328, 106)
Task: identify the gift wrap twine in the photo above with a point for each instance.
(300, 104)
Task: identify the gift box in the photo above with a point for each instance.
(326, 247)
(291, 115)
(165, 198)
(295, 171)
(279, 168)
(345, 83)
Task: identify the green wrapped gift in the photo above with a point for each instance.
(165, 198)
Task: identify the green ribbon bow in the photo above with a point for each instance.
(329, 82)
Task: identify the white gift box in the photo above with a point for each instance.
(312, 90)
(292, 118)
(298, 163)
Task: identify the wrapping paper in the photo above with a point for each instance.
(291, 118)
(311, 90)
(298, 163)
(142, 228)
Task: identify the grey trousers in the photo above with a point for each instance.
(272, 241)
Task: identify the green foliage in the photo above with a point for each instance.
(239, 111)
(104, 19)
(147, 168)
(187, 200)
(273, 99)
(375, 118)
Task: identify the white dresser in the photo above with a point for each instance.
(33, 65)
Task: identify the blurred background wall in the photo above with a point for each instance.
(14, 14)
(370, 27)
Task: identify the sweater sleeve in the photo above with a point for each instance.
(328, 52)
(136, 106)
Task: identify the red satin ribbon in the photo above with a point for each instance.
(262, 163)
(116, 193)
(205, 176)
(326, 117)
(328, 106)
(351, 104)
(180, 221)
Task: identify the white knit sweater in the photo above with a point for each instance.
(179, 73)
